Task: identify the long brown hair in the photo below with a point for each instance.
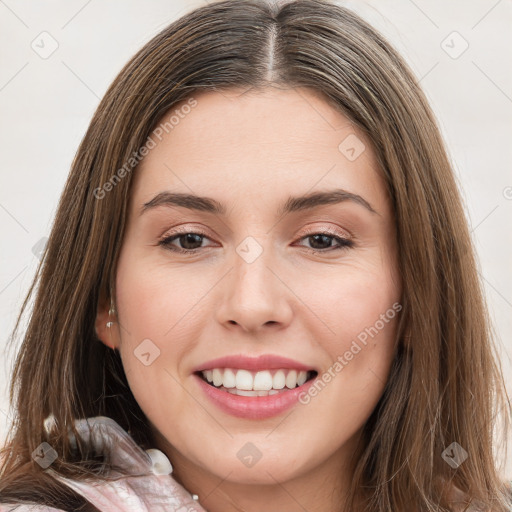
(445, 384)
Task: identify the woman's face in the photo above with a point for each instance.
(291, 270)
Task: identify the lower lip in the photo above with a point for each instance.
(253, 407)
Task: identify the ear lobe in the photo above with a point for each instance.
(105, 333)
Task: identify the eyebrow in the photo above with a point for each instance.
(292, 204)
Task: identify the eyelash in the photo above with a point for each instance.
(344, 243)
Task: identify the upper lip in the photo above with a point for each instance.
(262, 362)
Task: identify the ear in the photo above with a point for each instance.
(109, 336)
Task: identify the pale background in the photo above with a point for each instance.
(46, 105)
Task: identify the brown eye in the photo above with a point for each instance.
(189, 241)
(323, 242)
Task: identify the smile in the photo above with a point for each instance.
(254, 388)
(243, 382)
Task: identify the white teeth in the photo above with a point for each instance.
(279, 380)
(242, 392)
(217, 377)
(302, 377)
(244, 380)
(262, 383)
(229, 380)
(291, 379)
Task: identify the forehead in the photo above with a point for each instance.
(257, 142)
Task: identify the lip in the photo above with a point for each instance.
(253, 407)
(262, 362)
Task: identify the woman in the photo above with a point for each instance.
(259, 292)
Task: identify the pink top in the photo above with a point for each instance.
(149, 486)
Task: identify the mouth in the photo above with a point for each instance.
(261, 383)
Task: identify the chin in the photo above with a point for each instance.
(262, 472)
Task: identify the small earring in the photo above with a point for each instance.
(111, 312)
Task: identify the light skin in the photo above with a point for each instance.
(301, 298)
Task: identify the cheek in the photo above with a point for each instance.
(157, 301)
(151, 345)
(361, 354)
(358, 308)
(159, 316)
(156, 389)
(354, 302)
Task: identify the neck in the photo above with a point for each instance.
(322, 488)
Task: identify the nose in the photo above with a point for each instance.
(254, 296)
